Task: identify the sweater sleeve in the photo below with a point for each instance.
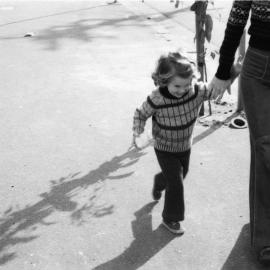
(146, 110)
(235, 26)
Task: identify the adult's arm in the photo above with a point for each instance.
(235, 26)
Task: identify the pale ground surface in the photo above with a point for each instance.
(72, 196)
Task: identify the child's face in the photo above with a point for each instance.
(179, 86)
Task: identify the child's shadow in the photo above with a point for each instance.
(242, 257)
(145, 245)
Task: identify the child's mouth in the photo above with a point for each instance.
(180, 94)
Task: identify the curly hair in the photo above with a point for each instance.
(174, 64)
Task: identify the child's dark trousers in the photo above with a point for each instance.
(174, 167)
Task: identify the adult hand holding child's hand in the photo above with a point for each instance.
(219, 87)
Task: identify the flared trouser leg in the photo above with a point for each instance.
(174, 167)
(256, 100)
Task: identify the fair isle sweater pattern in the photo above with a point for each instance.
(173, 119)
(259, 32)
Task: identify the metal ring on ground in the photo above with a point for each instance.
(238, 122)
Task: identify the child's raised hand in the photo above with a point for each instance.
(236, 68)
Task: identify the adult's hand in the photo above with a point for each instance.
(218, 87)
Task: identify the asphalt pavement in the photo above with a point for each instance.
(72, 195)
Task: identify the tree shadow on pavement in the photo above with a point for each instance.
(18, 226)
(52, 15)
(146, 244)
(81, 29)
(242, 256)
(215, 126)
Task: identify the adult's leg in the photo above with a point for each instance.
(252, 188)
(255, 84)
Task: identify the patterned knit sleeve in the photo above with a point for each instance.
(235, 26)
(146, 110)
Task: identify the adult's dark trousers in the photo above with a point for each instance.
(255, 89)
(174, 168)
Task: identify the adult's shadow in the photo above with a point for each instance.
(146, 244)
(242, 256)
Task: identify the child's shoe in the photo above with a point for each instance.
(173, 226)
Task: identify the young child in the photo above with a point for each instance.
(174, 108)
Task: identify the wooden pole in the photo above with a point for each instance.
(200, 13)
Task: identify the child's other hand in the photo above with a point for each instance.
(134, 143)
(236, 68)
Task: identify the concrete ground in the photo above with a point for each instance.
(72, 195)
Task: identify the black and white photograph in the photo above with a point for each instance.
(134, 135)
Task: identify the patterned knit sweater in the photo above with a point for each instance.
(259, 31)
(173, 119)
